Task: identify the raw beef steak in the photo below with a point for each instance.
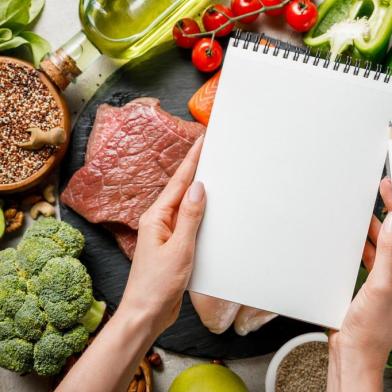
(107, 121)
(131, 155)
(125, 236)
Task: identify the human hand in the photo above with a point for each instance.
(359, 351)
(163, 259)
(160, 272)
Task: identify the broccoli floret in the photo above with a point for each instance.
(68, 238)
(34, 253)
(64, 314)
(50, 353)
(30, 320)
(65, 291)
(7, 329)
(47, 308)
(8, 258)
(17, 355)
(76, 338)
(53, 349)
(12, 294)
(12, 288)
(43, 228)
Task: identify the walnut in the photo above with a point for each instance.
(13, 220)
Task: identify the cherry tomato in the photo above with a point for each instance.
(207, 55)
(241, 7)
(269, 3)
(215, 16)
(301, 15)
(187, 26)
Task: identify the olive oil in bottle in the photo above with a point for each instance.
(123, 29)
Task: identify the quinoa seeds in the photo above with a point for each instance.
(25, 102)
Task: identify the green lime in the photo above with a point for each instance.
(2, 223)
(208, 378)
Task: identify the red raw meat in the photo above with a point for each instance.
(125, 236)
(132, 153)
(107, 120)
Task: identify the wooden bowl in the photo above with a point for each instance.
(56, 157)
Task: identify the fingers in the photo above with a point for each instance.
(386, 192)
(381, 275)
(174, 191)
(190, 214)
(369, 255)
(369, 252)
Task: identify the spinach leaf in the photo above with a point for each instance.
(5, 34)
(14, 14)
(13, 43)
(38, 46)
(15, 17)
(35, 9)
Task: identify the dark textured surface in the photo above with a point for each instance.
(171, 78)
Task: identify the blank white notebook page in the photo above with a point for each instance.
(291, 164)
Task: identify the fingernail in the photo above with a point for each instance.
(196, 192)
(387, 225)
(388, 180)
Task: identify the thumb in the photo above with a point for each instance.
(190, 212)
(381, 274)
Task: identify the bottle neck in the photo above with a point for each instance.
(70, 60)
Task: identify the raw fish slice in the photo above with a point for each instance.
(200, 105)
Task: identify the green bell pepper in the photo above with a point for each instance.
(358, 28)
(388, 61)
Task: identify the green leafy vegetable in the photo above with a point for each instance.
(47, 307)
(16, 16)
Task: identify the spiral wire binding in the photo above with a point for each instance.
(287, 48)
(306, 56)
(327, 60)
(317, 58)
(337, 62)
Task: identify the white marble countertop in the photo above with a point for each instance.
(59, 22)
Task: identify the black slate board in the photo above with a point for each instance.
(171, 78)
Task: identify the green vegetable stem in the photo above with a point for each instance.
(47, 308)
(358, 28)
(16, 16)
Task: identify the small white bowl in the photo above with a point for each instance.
(270, 379)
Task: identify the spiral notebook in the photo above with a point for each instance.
(291, 162)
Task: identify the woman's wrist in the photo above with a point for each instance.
(133, 315)
(353, 369)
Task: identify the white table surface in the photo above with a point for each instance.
(59, 22)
